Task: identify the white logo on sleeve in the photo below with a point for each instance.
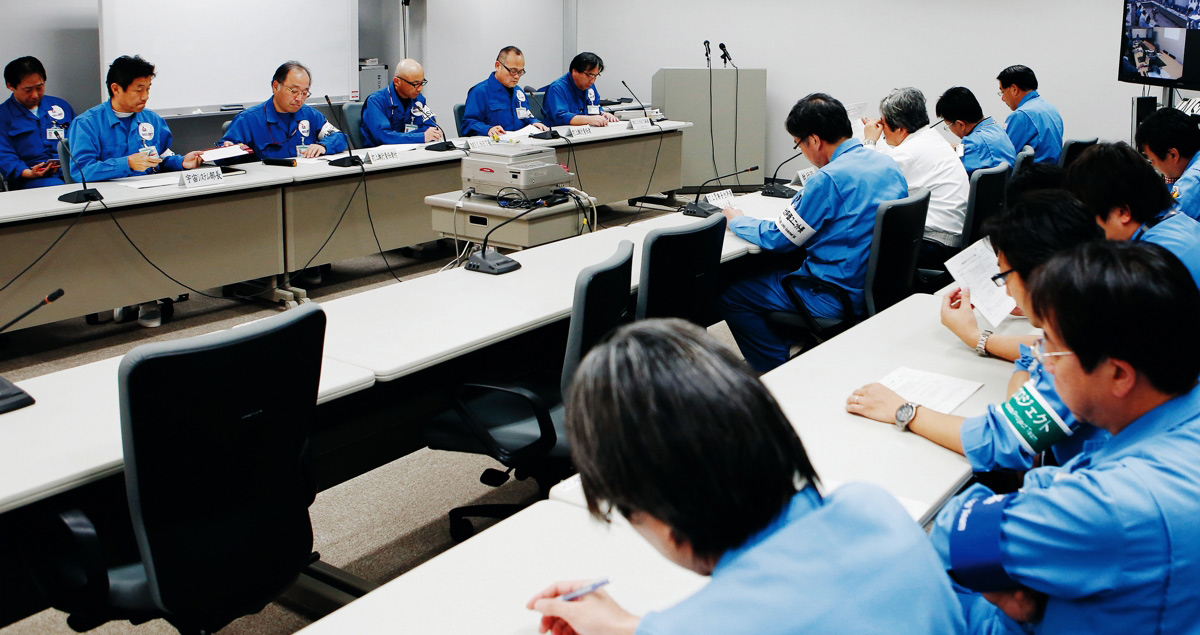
(303, 128)
(56, 113)
(793, 227)
(520, 95)
(146, 130)
(326, 130)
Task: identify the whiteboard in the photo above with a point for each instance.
(215, 54)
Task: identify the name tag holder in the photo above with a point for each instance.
(382, 155)
(640, 123)
(476, 144)
(581, 131)
(201, 177)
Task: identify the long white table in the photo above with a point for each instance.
(482, 585)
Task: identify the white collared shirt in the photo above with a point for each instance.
(928, 161)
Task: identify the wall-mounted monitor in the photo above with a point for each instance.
(1158, 39)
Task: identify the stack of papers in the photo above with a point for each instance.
(216, 154)
(519, 134)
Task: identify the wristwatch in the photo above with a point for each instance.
(905, 414)
(981, 345)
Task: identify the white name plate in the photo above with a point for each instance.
(640, 123)
(581, 131)
(382, 155)
(201, 177)
(476, 144)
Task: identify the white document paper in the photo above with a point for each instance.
(216, 154)
(932, 390)
(519, 134)
(856, 112)
(141, 184)
(973, 269)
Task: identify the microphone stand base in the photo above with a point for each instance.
(441, 146)
(491, 262)
(776, 190)
(700, 209)
(81, 196)
(347, 161)
(12, 398)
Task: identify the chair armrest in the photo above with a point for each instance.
(793, 280)
(541, 446)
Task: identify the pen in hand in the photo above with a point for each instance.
(582, 591)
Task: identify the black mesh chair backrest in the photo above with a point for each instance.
(64, 161)
(459, 111)
(679, 270)
(1024, 156)
(352, 117)
(987, 198)
(895, 246)
(215, 430)
(601, 304)
(1073, 148)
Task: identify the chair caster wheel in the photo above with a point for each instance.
(461, 529)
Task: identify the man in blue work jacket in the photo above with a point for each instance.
(119, 137)
(1131, 201)
(1105, 543)
(284, 126)
(497, 105)
(572, 100)
(984, 142)
(1034, 121)
(833, 219)
(31, 123)
(1171, 142)
(397, 113)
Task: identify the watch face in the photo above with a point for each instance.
(904, 414)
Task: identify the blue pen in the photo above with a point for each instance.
(580, 592)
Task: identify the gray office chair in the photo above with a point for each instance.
(64, 161)
(536, 100)
(225, 126)
(891, 269)
(521, 425)
(1072, 148)
(215, 431)
(352, 115)
(459, 109)
(987, 198)
(679, 271)
(1024, 157)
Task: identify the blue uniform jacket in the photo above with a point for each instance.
(1110, 536)
(23, 141)
(1178, 234)
(839, 202)
(853, 562)
(100, 143)
(275, 135)
(490, 103)
(987, 146)
(991, 441)
(563, 100)
(385, 115)
(1036, 123)
(1186, 189)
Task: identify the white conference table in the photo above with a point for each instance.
(482, 585)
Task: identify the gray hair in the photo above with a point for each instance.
(904, 108)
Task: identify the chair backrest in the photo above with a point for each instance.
(985, 200)
(895, 246)
(215, 430)
(1072, 148)
(352, 115)
(64, 161)
(679, 270)
(225, 126)
(1024, 157)
(601, 304)
(459, 109)
(535, 104)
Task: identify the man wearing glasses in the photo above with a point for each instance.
(1106, 542)
(497, 105)
(397, 113)
(283, 126)
(1034, 121)
(572, 100)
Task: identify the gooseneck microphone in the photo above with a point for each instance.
(437, 146)
(350, 160)
(635, 98)
(78, 196)
(776, 190)
(547, 134)
(11, 397)
(704, 209)
(494, 262)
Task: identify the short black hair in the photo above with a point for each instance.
(1034, 176)
(287, 67)
(1038, 225)
(1169, 128)
(1020, 75)
(585, 62)
(1139, 287)
(958, 103)
(21, 67)
(821, 115)
(124, 70)
(506, 50)
(664, 420)
(1109, 175)
(904, 109)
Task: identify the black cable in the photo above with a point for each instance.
(736, 93)
(572, 158)
(78, 215)
(712, 137)
(371, 222)
(642, 203)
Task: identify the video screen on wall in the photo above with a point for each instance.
(1157, 40)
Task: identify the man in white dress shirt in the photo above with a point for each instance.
(927, 161)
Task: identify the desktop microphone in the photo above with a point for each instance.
(635, 97)
(78, 196)
(725, 56)
(705, 209)
(437, 146)
(350, 160)
(774, 189)
(12, 397)
(548, 134)
(494, 262)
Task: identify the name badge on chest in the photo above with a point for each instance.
(54, 133)
(523, 113)
(410, 127)
(593, 109)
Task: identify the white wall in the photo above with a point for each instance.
(859, 51)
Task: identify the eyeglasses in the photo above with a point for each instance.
(1000, 279)
(593, 75)
(304, 94)
(1041, 354)
(414, 84)
(517, 73)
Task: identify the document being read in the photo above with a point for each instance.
(973, 269)
(932, 390)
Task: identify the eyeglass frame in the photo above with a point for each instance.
(1001, 279)
(296, 91)
(418, 84)
(1041, 354)
(518, 73)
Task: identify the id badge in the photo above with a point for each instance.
(300, 149)
(410, 127)
(593, 109)
(54, 133)
(523, 113)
